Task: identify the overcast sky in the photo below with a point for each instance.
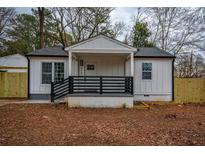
(123, 14)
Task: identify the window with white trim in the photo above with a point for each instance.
(52, 71)
(146, 71)
(46, 73)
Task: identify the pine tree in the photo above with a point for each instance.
(141, 34)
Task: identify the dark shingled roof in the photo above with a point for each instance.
(153, 52)
(49, 52)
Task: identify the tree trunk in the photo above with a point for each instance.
(41, 26)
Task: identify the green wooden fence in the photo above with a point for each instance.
(189, 90)
(13, 85)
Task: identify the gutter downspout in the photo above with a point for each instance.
(28, 78)
(173, 79)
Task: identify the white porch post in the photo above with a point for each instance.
(132, 63)
(70, 63)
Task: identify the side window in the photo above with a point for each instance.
(46, 73)
(146, 71)
(90, 67)
(58, 72)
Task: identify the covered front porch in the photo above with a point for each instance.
(99, 69)
(96, 74)
(100, 64)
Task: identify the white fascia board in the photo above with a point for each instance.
(100, 51)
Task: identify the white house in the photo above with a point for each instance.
(13, 63)
(101, 72)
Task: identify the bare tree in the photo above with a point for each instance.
(83, 23)
(88, 22)
(141, 15)
(190, 65)
(126, 39)
(60, 16)
(41, 26)
(6, 16)
(175, 29)
(118, 29)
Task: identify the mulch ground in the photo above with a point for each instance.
(45, 124)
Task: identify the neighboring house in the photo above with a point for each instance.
(13, 63)
(101, 72)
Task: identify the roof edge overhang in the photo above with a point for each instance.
(46, 56)
(104, 36)
(155, 57)
(105, 51)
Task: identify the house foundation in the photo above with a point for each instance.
(100, 101)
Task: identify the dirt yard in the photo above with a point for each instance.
(35, 124)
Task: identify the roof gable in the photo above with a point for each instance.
(101, 42)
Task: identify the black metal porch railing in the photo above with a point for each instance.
(92, 84)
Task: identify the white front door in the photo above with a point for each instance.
(90, 68)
